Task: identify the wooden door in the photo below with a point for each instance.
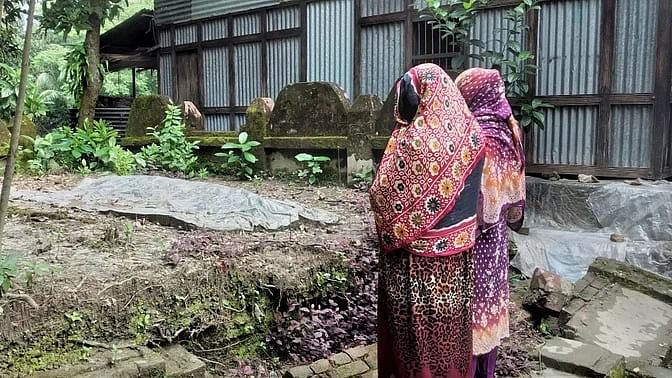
(187, 78)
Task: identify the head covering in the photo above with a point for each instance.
(503, 184)
(431, 154)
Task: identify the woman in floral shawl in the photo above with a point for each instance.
(424, 200)
(501, 204)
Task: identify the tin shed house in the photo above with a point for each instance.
(604, 64)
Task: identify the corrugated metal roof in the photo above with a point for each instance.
(172, 11)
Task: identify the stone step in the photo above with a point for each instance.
(133, 362)
(582, 359)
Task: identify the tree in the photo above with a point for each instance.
(16, 130)
(64, 16)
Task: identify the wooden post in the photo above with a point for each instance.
(408, 33)
(608, 41)
(18, 118)
(661, 107)
(357, 56)
(134, 90)
(303, 69)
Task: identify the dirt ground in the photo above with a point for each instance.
(85, 257)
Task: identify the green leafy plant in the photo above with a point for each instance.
(76, 71)
(173, 152)
(532, 114)
(7, 273)
(515, 63)
(90, 148)
(37, 100)
(35, 270)
(314, 167)
(363, 177)
(455, 19)
(240, 158)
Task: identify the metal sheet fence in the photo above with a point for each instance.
(568, 47)
(635, 45)
(248, 73)
(216, 77)
(382, 58)
(568, 138)
(631, 136)
(166, 75)
(331, 34)
(284, 64)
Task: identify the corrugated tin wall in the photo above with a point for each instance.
(568, 47)
(246, 25)
(185, 35)
(636, 23)
(216, 77)
(631, 136)
(378, 7)
(165, 39)
(215, 29)
(210, 8)
(568, 138)
(248, 72)
(331, 42)
(166, 69)
(218, 123)
(488, 28)
(382, 58)
(283, 63)
(284, 18)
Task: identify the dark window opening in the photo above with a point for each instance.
(430, 46)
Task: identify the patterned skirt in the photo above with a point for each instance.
(424, 316)
(491, 289)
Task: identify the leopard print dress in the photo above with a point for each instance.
(424, 316)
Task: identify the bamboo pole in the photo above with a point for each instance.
(16, 129)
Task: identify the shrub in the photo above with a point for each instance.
(343, 314)
(90, 148)
(313, 167)
(173, 152)
(240, 159)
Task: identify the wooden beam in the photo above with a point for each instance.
(232, 71)
(357, 54)
(264, 54)
(173, 57)
(303, 69)
(662, 80)
(199, 58)
(589, 170)
(608, 31)
(408, 33)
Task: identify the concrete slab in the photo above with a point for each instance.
(626, 322)
(552, 373)
(582, 359)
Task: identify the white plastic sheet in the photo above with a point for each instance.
(180, 202)
(571, 225)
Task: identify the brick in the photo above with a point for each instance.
(588, 293)
(600, 283)
(357, 352)
(352, 369)
(321, 366)
(299, 372)
(571, 309)
(584, 282)
(340, 359)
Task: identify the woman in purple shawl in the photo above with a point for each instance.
(501, 205)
